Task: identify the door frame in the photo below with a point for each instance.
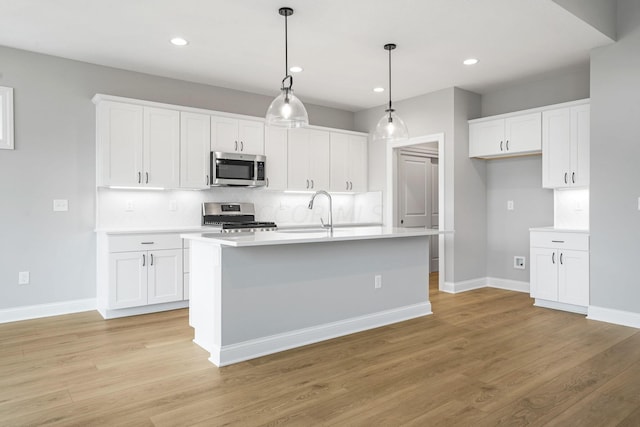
(391, 153)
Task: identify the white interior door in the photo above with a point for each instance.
(414, 188)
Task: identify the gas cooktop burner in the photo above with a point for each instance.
(233, 217)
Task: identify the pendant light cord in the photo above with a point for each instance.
(286, 48)
(390, 109)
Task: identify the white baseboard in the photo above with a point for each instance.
(45, 310)
(560, 306)
(485, 282)
(508, 284)
(465, 285)
(251, 349)
(145, 309)
(618, 317)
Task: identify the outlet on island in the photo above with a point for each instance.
(377, 281)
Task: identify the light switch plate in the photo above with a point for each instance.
(60, 205)
(23, 278)
(130, 206)
(509, 205)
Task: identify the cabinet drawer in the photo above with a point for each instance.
(560, 240)
(143, 242)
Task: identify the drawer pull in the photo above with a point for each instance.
(553, 258)
(557, 241)
(147, 243)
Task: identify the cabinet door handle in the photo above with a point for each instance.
(267, 181)
(573, 177)
(501, 146)
(307, 183)
(565, 178)
(241, 145)
(507, 144)
(207, 180)
(561, 258)
(146, 177)
(151, 263)
(553, 258)
(347, 184)
(312, 184)
(236, 146)
(144, 260)
(350, 185)
(139, 177)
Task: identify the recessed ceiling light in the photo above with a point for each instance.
(470, 61)
(378, 89)
(295, 69)
(179, 41)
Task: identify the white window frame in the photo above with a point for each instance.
(6, 100)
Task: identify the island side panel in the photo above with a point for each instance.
(271, 290)
(205, 309)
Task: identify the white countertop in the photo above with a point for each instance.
(559, 230)
(206, 229)
(284, 237)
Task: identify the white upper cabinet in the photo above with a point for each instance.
(161, 155)
(510, 136)
(348, 162)
(195, 137)
(138, 146)
(276, 151)
(119, 145)
(565, 147)
(232, 135)
(308, 159)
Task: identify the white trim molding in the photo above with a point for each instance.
(560, 306)
(6, 118)
(618, 317)
(143, 309)
(46, 310)
(485, 282)
(234, 353)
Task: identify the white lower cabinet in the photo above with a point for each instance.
(560, 270)
(142, 270)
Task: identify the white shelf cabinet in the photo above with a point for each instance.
(560, 270)
(502, 137)
(276, 151)
(308, 159)
(230, 135)
(565, 147)
(195, 140)
(348, 162)
(142, 270)
(137, 146)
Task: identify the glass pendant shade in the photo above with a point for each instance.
(287, 110)
(391, 128)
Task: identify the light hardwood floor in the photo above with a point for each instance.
(486, 357)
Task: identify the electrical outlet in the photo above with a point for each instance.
(377, 281)
(60, 205)
(130, 206)
(173, 205)
(23, 278)
(639, 203)
(519, 262)
(509, 205)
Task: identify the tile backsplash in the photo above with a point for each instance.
(119, 208)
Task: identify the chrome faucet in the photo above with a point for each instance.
(330, 209)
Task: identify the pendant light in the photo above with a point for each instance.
(286, 110)
(390, 127)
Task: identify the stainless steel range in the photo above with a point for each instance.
(233, 217)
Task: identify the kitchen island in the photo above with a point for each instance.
(254, 294)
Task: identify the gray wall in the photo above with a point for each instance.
(615, 170)
(445, 111)
(520, 178)
(55, 159)
(553, 87)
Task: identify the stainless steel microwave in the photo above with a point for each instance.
(235, 169)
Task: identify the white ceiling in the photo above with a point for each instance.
(239, 44)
